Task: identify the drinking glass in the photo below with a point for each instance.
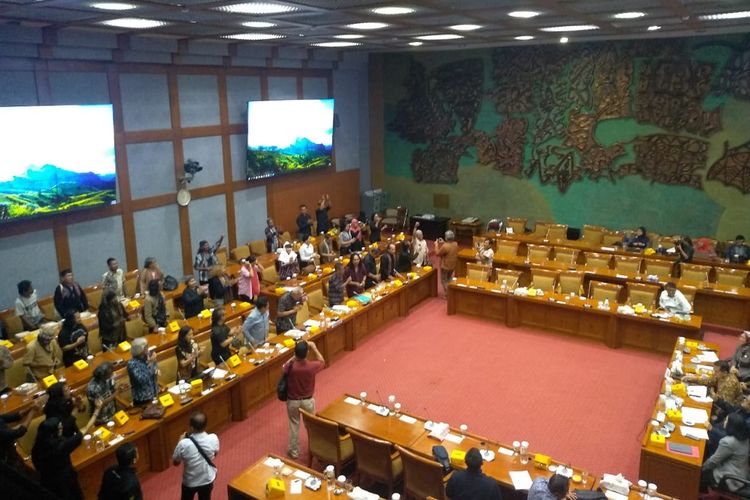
(363, 397)
(463, 428)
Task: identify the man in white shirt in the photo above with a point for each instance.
(306, 254)
(672, 300)
(27, 306)
(197, 450)
(113, 279)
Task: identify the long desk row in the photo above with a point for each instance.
(569, 315)
(718, 304)
(255, 381)
(410, 433)
(676, 474)
(588, 246)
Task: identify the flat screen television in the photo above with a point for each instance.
(54, 159)
(288, 136)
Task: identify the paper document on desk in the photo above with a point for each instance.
(408, 419)
(294, 333)
(273, 462)
(698, 391)
(694, 432)
(311, 322)
(219, 373)
(440, 431)
(359, 494)
(505, 451)
(301, 474)
(613, 495)
(708, 357)
(694, 415)
(352, 401)
(453, 438)
(295, 487)
(521, 479)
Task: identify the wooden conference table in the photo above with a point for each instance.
(412, 435)
(251, 483)
(587, 246)
(255, 381)
(716, 303)
(676, 474)
(573, 316)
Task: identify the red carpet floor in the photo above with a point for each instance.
(576, 400)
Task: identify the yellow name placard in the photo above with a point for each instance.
(427, 268)
(103, 433)
(123, 346)
(289, 343)
(196, 386)
(134, 304)
(81, 365)
(166, 400)
(674, 414)
(6, 343)
(234, 361)
(174, 326)
(658, 438)
(121, 418)
(49, 381)
(458, 457)
(275, 488)
(205, 314)
(541, 460)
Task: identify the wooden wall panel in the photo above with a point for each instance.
(285, 194)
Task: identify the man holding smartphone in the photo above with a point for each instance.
(301, 388)
(197, 450)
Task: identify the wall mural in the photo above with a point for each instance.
(550, 101)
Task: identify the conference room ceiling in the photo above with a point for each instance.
(467, 23)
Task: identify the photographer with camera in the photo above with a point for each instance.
(197, 449)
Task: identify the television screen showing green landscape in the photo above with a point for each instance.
(288, 136)
(55, 158)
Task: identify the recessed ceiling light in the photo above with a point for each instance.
(415, 44)
(654, 28)
(444, 36)
(134, 23)
(113, 6)
(258, 8)
(254, 36)
(258, 24)
(465, 27)
(564, 39)
(629, 15)
(349, 36)
(392, 11)
(367, 26)
(524, 14)
(575, 27)
(725, 15)
(523, 38)
(336, 44)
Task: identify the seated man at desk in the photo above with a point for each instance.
(255, 327)
(43, 355)
(672, 300)
(472, 483)
(738, 252)
(554, 488)
(289, 304)
(143, 372)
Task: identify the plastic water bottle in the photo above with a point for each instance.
(606, 303)
(504, 286)
(330, 477)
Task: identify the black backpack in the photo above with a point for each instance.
(282, 385)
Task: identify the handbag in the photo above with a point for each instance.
(170, 283)
(441, 455)
(154, 411)
(282, 386)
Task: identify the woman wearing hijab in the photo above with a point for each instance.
(112, 317)
(188, 352)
